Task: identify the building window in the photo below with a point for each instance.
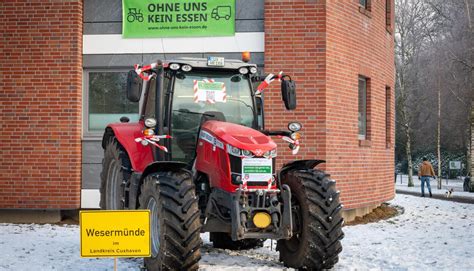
(106, 100)
(388, 15)
(365, 4)
(388, 115)
(363, 82)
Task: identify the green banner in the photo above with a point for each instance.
(177, 18)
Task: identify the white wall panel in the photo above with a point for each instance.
(115, 44)
(90, 198)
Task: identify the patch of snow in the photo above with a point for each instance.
(430, 234)
(50, 247)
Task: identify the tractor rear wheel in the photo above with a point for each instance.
(175, 225)
(224, 241)
(115, 171)
(317, 221)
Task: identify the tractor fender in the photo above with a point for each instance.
(137, 179)
(162, 166)
(299, 164)
(125, 133)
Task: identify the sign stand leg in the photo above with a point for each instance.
(115, 264)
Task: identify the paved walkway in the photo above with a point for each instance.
(458, 195)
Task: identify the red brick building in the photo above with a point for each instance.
(339, 52)
(40, 97)
(333, 48)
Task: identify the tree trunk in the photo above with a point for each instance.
(438, 136)
(410, 162)
(470, 141)
(468, 156)
(469, 165)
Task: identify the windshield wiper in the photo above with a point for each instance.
(195, 113)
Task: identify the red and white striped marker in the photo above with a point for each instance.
(195, 87)
(139, 70)
(296, 143)
(224, 93)
(153, 140)
(268, 80)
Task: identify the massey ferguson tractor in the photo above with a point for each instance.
(201, 160)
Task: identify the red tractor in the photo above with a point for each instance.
(201, 160)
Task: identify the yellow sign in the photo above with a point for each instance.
(115, 233)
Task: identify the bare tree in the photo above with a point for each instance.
(414, 28)
(434, 59)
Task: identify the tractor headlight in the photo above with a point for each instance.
(243, 70)
(294, 126)
(247, 153)
(253, 70)
(150, 122)
(238, 152)
(233, 150)
(270, 154)
(174, 66)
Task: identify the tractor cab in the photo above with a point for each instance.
(186, 92)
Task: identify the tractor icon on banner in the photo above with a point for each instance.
(134, 15)
(221, 12)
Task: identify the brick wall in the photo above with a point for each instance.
(40, 103)
(326, 45)
(295, 43)
(358, 43)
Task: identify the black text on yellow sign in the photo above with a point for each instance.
(115, 233)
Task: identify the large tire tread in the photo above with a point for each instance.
(113, 151)
(180, 226)
(322, 232)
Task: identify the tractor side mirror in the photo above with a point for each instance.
(134, 86)
(288, 93)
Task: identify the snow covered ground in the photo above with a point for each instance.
(430, 235)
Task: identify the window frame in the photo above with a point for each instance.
(389, 15)
(360, 79)
(366, 9)
(86, 134)
(367, 6)
(388, 116)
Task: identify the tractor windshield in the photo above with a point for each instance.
(222, 96)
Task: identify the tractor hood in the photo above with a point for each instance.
(239, 136)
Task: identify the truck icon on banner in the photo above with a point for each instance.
(221, 12)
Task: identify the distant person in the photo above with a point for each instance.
(467, 183)
(425, 172)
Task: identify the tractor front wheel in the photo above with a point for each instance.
(116, 168)
(175, 225)
(224, 241)
(317, 221)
